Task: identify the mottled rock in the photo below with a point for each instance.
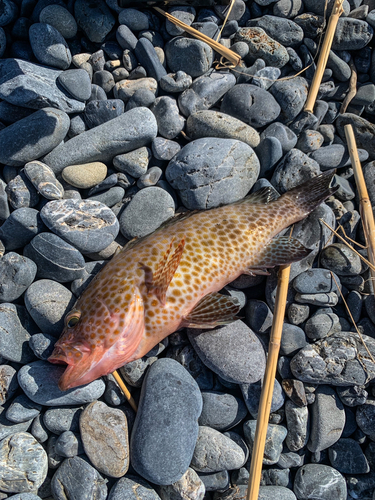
(321, 481)
(274, 440)
(192, 56)
(17, 272)
(263, 46)
(44, 180)
(49, 46)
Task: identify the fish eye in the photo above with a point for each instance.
(72, 318)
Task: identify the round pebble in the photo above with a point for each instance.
(49, 46)
(221, 411)
(85, 176)
(60, 18)
(17, 272)
(44, 180)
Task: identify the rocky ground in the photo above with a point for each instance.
(112, 120)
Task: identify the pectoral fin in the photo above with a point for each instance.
(279, 251)
(159, 281)
(213, 310)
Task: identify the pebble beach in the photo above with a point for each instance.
(112, 121)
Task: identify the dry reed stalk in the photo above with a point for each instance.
(125, 390)
(324, 54)
(232, 57)
(268, 384)
(352, 88)
(366, 212)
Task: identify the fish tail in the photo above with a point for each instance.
(309, 195)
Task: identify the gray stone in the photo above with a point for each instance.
(236, 162)
(126, 38)
(17, 272)
(132, 488)
(21, 193)
(351, 34)
(319, 481)
(189, 359)
(266, 77)
(285, 135)
(322, 324)
(164, 149)
(47, 303)
(9, 386)
(23, 463)
(42, 345)
(170, 122)
(269, 153)
(363, 131)
(341, 260)
(347, 457)
(284, 31)
(44, 180)
(244, 362)
(317, 299)
(134, 19)
(34, 86)
(134, 163)
(209, 123)
(77, 82)
(76, 478)
(162, 454)
(22, 409)
(258, 316)
(189, 487)
(60, 18)
(104, 433)
(129, 131)
(295, 168)
(251, 394)
(316, 281)
(365, 418)
(175, 82)
(215, 481)
(250, 104)
(135, 371)
(297, 424)
(148, 58)
(49, 46)
(263, 46)
(36, 135)
(292, 340)
(340, 360)
(298, 313)
(94, 18)
(275, 436)
(39, 382)
(309, 140)
(59, 420)
(221, 411)
(192, 56)
(69, 445)
(215, 452)
(14, 337)
(127, 89)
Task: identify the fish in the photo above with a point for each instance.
(171, 278)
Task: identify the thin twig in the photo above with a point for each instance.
(229, 10)
(352, 88)
(125, 390)
(268, 384)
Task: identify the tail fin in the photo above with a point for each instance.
(309, 195)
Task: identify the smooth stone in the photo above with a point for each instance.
(189, 487)
(42, 345)
(341, 260)
(17, 272)
(221, 411)
(140, 98)
(188, 358)
(67, 218)
(293, 339)
(266, 77)
(94, 18)
(23, 462)
(275, 437)
(205, 92)
(148, 58)
(8, 428)
(148, 209)
(9, 386)
(244, 363)
(22, 409)
(77, 82)
(14, 338)
(347, 457)
(86, 175)
(44, 180)
(99, 112)
(134, 19)
(30, 85)
(335, 156)
(251, 395)
(129, 131)
(126, 38)
(170, 122)
(291, 96)
(364, 131)
(238, 165)
(316, 280)
(110, 198)
(104, 434)
(263, 46)
(125, 89)
(38, 429)
(250, 104)
(192, 56)
(37, 135)
(159, 454)
(104, 79)
(309, 141)
(321, 481)
(49, 46)
(208, 123)
(297, 424)
(68, 445)
(164, 149)
(132, 488)
(60, 420)
(60, 18)
(20, 228)
(258, 316)
(21, 192)
(284, 31)
(285, 135)
(135, 371)
(365, 418)
(39, 382)
(336, 360)
(322, 324)
(215, 452)
(175, 82)
(75, 478)
(351, 34)
(55, 258)
(215, 481)
(294, 169)
(47, 303)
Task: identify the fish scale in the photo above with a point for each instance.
(170, 279)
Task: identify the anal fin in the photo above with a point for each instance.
(159, 281)
(213, 310)
(279, 251)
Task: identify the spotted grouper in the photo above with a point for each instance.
(171, 278)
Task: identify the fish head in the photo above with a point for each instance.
(99, 336)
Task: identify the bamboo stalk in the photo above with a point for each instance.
(125, 390)
(268, 385)
(324, 54)
(366, 212)
(234, 58)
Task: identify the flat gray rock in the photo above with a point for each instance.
(234, 352)
(129, 131)
(32, 137)
(39, 382)
(165, 429)
(14, 338)
(34, 86)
